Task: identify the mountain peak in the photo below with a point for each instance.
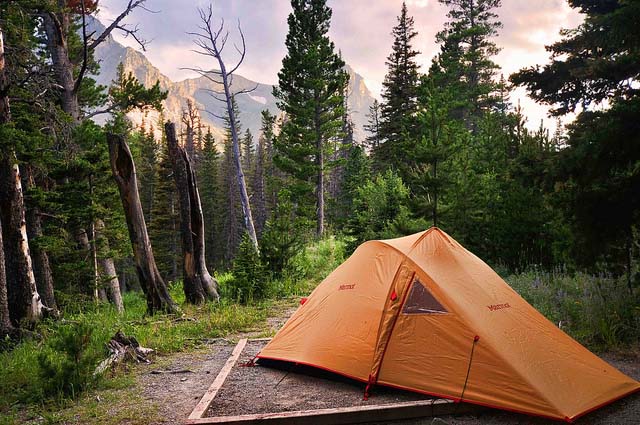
(111, 53)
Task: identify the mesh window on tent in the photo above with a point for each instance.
(420, 301)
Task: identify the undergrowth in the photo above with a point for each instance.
(45, 373)
(53, 368)
(598, 311)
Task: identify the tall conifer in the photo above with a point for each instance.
(310, 91)
(399, 94)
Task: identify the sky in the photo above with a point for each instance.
(360, 29)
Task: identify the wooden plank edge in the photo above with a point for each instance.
(346, 415)
(209, 395)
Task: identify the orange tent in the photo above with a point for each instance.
(422, 313)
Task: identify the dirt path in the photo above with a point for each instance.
(173, 387)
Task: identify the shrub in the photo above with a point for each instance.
(67, 362)
(282, 238)
(249, 281)
(380, 210)
(598, 311)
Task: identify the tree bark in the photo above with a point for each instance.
(109, 276)
(5, 112)
(57, 28)
(124, 172)
(40, 257)
(6, 328)
(22, 294)
(198, 283)
(244, 196)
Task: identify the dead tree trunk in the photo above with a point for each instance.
(191, 119)
(5, 112)
(56, 27)
(107, 270)
(124, 172)
(6, 328)
(212, 43)
(5, 320)
(198, 283)
(39, 256)
(22, 294)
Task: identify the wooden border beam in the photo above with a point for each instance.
(346, 415)
(340, 415)
(207, 398)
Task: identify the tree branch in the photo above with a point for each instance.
(133, 4)
(85, 49)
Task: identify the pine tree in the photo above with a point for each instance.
(247, 153)
(209, 186)
(372, 141)
(594, 69)
(258, 186)
(431, 157)
(310, 91)
(399, 94)
(467, 52)
(165, 224)
(147, 149)
(272, 175)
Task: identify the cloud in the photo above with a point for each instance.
(418, 3)
(361, 29)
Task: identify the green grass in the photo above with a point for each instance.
(19, 373)
(598, 311)
(21, 391)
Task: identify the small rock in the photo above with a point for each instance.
(183, 379)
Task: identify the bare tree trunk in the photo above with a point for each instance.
(5, 320)
(191, 118)
(244, 196)
(40, 257)
(24, 300)
(22, 295)
(198, 283)
(108, 269)
(57, 28)
(124, 172)
(6, 328)
(5, 111)
(212, 45)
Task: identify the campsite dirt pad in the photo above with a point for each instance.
(283, 387)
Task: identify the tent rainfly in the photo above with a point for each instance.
(422, 313)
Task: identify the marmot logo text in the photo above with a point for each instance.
(495, 307)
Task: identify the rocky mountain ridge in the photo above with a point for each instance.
(111, 53)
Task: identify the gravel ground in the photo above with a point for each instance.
(176, 388)
(282, 387)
